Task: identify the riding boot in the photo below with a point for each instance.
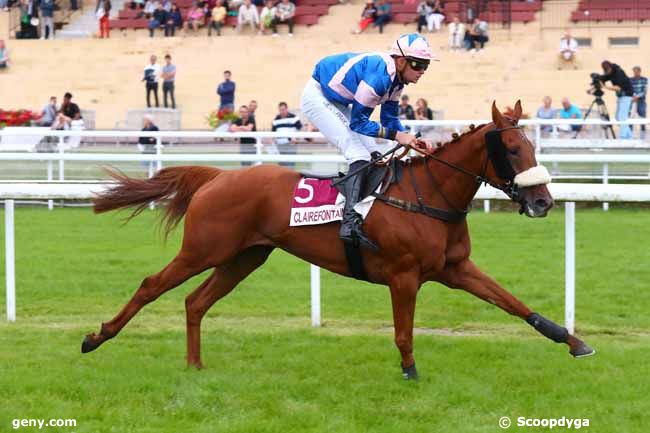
(351, 231)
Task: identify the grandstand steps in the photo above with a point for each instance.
(104, 75)
(85, 24)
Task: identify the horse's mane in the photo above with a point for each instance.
(455, 137)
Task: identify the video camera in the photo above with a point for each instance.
(596, 88)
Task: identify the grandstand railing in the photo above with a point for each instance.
(570, 193)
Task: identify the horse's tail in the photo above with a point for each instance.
(172, 187)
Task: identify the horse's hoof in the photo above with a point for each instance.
(89, 344)
(582, 351)
(410, 373)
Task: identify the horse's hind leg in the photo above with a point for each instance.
(219, 284)
(183, 266)
(467, 276)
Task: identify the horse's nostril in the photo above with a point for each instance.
(541, 203)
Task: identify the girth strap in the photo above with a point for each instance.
(441, 214)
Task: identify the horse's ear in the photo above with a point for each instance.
(517, 112)
(497, 117)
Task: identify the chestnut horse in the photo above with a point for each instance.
(235, 218)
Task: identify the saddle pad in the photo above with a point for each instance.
(316, 201)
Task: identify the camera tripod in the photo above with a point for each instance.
(602, 113)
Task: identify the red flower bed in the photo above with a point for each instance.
(17, 117)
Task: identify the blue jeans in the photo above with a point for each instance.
(623, 104)
(640, 110)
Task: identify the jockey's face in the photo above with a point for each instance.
(410, 70)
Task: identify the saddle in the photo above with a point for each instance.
(378, 176)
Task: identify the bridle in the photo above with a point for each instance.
(496, 152)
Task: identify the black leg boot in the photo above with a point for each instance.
(351, 231)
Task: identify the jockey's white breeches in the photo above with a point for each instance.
(333, 121)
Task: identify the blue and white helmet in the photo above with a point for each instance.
(413, 45)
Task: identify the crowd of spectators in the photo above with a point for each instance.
(630, 97)
(212, 14)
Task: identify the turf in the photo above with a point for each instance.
(268, 371)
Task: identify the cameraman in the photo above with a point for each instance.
(622, 85)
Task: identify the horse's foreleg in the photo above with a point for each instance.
(175, 273)
(403, 292)
(219, 284)
(467, 276)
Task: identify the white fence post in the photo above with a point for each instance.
(10, 271)
(569, 265)
(486, 206)
(50, 169)
(605, 182)
(61, 160)
(315, 296)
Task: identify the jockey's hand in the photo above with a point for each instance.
(405, 139)
(427, 146)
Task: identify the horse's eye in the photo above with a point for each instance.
(513, 151)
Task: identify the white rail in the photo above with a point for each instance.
(10, 191)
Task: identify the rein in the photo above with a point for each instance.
(455, 215)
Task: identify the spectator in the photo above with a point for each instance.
(546, 112)
(245, 124)
(266, 16)
(568, 50)
(252, 108)
(102, 13)
(158, 19)
(286, 122)
(405, 109)
(167, 5)
(47, 19)
(169, 76)
(248, 15)
(639, 89)
(48, 114)
(422, 110)
(368, 16)
(569, 111)
(226, 91)
(67, 112)
(174, 21)
(622, 85)
(383, 14)
(149, 8)
(284, 13)
(4, 55)
(151, 77)
(147, 144)
(478, 35)
(194, 18)
(424, 10)
(28, 16)
(437, 16)
(137, 4)
(456, 34)
(217, 18)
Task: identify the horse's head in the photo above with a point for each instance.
(512, 159)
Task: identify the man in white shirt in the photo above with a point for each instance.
(568, 50)
(151, 78)
(248, 15)
(456, 34)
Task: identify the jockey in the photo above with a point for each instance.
(342, 94)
